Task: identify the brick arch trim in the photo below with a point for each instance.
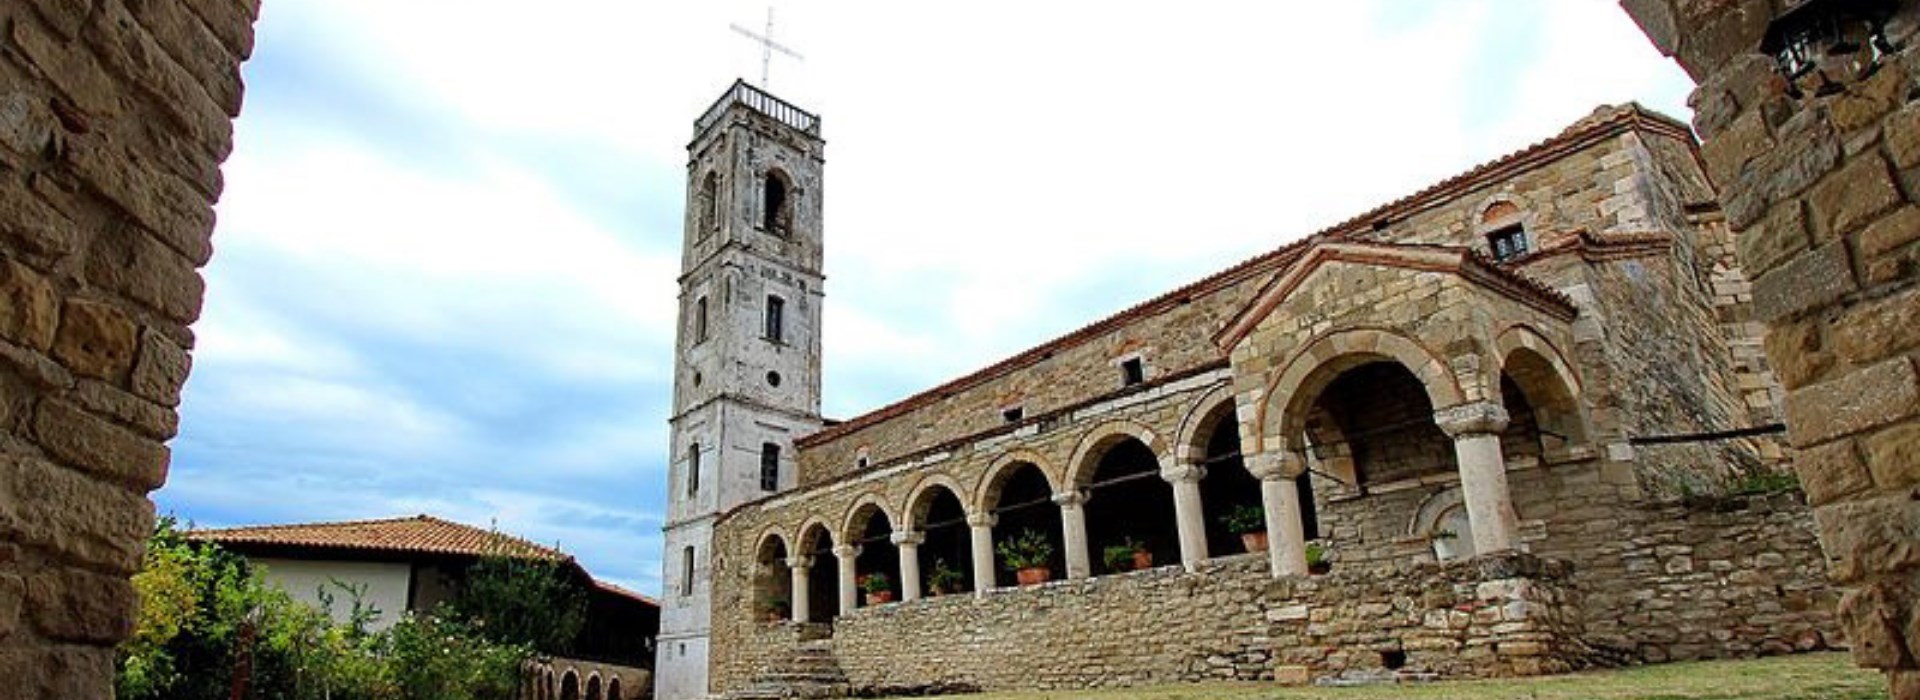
(1098, 439)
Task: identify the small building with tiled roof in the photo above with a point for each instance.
(412, 564)
(1477, 405)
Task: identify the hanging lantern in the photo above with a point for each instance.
(1829, 43)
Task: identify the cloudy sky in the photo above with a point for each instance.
(447, 248)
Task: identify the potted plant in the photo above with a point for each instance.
(876, 586)
(944, 579)
(1250, 523)
(1127, 556)
(1317, 562)
(1027, 554)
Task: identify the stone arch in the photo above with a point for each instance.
(921, 498)
(593, 686)
(1548, 391)
(937, 511)
(995, 477)
(570, 685)
(862, 510)
(777, 195)
(1101, 438)
(1443, 510)
(816, 540)
(772, 576)
(1322, 360)
(1197, 423)
(613, 688)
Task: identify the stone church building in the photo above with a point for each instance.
(1515, 423)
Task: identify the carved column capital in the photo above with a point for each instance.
(1276, 465)
(800, 562)
(847, 551)
(982, 520)
(1480, 418)
(908, 538)
(1070, 499)
(1177, 473)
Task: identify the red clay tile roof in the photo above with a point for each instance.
(1602, 124)
(422, 534)
(616, 590)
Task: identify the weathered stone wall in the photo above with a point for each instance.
(114, 118)
(1821, 192)
(1496, 616)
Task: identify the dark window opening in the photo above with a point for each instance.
(1013, 415)
(769, 467)
(1393, 660)
(775, 211)
(686, 571)
(776, 319)
(860, 463)
(1132, 372)
(693, 469)
(700, 320)
(1508, 243)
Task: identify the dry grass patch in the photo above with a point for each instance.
(1828, 676)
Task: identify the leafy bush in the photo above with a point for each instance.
(944, 578)
(525, 602)
(1244, 518)
(1119, 557)
(874, 583)
(1029, 548)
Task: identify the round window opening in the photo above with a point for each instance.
(773, 379)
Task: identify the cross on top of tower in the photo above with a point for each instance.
(767, 46)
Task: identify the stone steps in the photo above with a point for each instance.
(810, 672)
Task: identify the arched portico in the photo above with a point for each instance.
(773, 580)
(816, 587)
(1123, 499)
(1016, 497)
(869, 552)
(936, 517)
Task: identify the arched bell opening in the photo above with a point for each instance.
(946, 553)
(823, 583)
(878, 559)
(1021, 501)
(1129, 505)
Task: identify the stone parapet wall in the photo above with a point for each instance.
(1822, 192)
(114, 119)
(1495, 616)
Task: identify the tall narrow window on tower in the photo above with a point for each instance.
(708, 207)
(693, 469)
(769, 467)
(686, 571)
(776, 209)
(700, 320)
(776, 319)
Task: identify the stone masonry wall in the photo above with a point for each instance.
(1496, 616)
(1823, 195)
(114, 118)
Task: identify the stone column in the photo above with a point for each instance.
(908, 542)
(1188, 512)
(1475, 429)
(849, 583)
(1280, 497)
(1073, 526)
(798, 569)
(981, 525)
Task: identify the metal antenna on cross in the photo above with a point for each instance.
(767, 46)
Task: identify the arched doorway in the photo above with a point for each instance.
(946, 553)
(772, 580)
(613, 689)
(1228, 489)
(872, 531)
(570, 686)
(593, 688)
(823, 578)
(1128, 505)
(1021, 500)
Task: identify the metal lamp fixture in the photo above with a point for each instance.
(1833, 41)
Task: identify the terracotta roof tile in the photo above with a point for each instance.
(422, 534)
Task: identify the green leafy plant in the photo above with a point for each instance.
(1317, 557)
(944, 578)
(1765, 482)
(537, 603)
(1244, 518)
(1119, 557)
(874, 583)
(1027, 549)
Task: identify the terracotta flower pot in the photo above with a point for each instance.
(1142, 559)
(1254, 541)
(1033, 575)
(879, 598)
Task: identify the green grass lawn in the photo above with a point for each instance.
(1829, 676)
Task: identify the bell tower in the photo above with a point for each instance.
(747, 361)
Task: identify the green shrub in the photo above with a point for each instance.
(1243, 518)
(1027, 549)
